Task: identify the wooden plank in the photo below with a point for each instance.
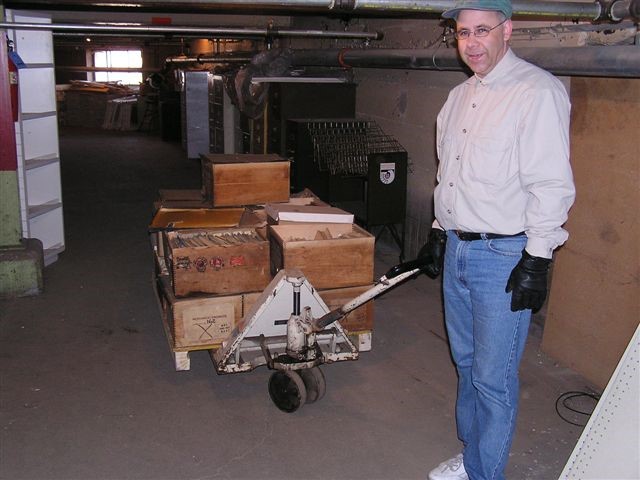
(363, 341)
(230, 174)
(181, 361)
(240, 157)
(595, 295)
(292, 233)
(249, 193)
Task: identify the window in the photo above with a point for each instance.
(118, 59)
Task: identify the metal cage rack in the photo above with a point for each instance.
(342, 147)
(354, 165)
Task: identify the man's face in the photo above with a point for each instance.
(482, 54)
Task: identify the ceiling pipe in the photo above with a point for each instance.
(78, 68)
(206, 59)
(619, 10)
(526, 8)
(218, 32)
(601, 61)
(621, 61)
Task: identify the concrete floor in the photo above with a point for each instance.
(88, 388)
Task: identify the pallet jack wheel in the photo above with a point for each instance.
(287, 390)
(314, 382)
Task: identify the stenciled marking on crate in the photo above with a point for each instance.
(201, 264)
(205, 331)
(206, 324)
(213, 326)
(217, 263)
(237, 261)
(183, 263)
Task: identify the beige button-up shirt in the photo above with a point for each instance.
(503, 146)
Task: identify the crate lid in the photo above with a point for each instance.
(169, 218)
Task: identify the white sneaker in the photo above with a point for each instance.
(452, 469)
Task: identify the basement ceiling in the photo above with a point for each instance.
(605, 60)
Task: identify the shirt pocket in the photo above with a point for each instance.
(489, 159)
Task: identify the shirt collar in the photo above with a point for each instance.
(499, 71)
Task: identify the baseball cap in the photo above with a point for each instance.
(503, 6)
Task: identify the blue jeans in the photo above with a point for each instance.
(487, 340)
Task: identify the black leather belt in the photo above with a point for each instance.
(470, 236)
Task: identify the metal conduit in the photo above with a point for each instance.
(622, 9)
(583, 10)
(206, 59)
(73, 68)
(591, 10)
(220, 32)
(601, 61)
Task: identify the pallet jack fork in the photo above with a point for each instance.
(292, 331)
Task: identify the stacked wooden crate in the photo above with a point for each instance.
(229, 179)
(204, 273)
(217, 251)
(337, 259)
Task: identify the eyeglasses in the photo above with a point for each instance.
(479, 32)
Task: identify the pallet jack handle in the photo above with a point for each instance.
(395, 275)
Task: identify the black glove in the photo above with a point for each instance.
(528, 280)
(431, 255)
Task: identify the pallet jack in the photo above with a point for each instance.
(292, 331)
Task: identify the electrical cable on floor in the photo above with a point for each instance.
(564, 399)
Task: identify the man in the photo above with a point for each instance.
(504, 190)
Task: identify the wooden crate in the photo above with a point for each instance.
(199, 322)
(230, 179)
(357, 321)
(219, 261)
(329, 255)
(196, 323)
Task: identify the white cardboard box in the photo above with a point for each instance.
(280, 213)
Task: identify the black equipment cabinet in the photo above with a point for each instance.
(386, 192)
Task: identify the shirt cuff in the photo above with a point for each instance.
(539, 247)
